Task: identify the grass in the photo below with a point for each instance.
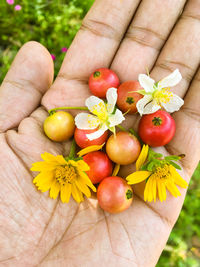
(54, 23)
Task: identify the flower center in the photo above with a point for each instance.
(100, 111)
(163, 172)
(164, 95)
(65, 174)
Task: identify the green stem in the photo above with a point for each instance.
(72, 149)
(133, 132)
(51, 111)
(122, 128)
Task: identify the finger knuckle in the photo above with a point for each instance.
(145, 37)
(100, 28)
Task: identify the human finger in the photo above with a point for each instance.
(182, 49)
(187, 136)
(94, 46)
(30, 75)
(145, 37)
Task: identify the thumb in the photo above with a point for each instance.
(29, 77)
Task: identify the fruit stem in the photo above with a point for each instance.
(96, 74)
(51, 111)
(129, 194)
(72, 149)
(157, 121)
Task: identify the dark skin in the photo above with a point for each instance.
(36, 230)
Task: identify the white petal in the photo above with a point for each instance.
(142, 103)
(85, 121)
(95, 105)
(116, 118)
(146, 82)
(174, 103)
(111, 97)
(171, 80)
(98, 133)
(151, 108)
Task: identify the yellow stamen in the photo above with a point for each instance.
(65, 174)
(163, 172)
(100, 111)
(93, 123)
(164, 95)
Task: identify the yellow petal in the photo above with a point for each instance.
(173, 189)
(87, 181)
(89, 149)
(65, 192)
(44, 187)
(137, 177)
(77, 195)
(142, 157)
(55, 160)
(60, 160)
(148, 195)
(83, 187)
(177, 178)
(42, 166)
(48, 157)
(54, 190)
(154, 189)
(161, 190)
(82, 165)
(43, 178)
(116, 170)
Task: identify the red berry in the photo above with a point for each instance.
(100, 166)
(128, 96)
(157, 129)
(82, 140)
(101, 80)
(114, 194)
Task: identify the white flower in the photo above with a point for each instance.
(106, 116)
(158, 95)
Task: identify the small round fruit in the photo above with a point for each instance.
(59, 126)
(128, 96)
(157, 129)
(123, 149)
(101, 80)
(100, 166)
(114, 194)
(82, 140)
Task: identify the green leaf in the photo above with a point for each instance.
(144, 167)
(175, 165)
(153, 155)
(151, 166)
(168, 158)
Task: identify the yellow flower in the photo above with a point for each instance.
(67, 177)
(162, 178)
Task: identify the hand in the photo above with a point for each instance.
(36, 230)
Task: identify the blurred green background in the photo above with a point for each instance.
(54, 24)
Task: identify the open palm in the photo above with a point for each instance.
(36, 230)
